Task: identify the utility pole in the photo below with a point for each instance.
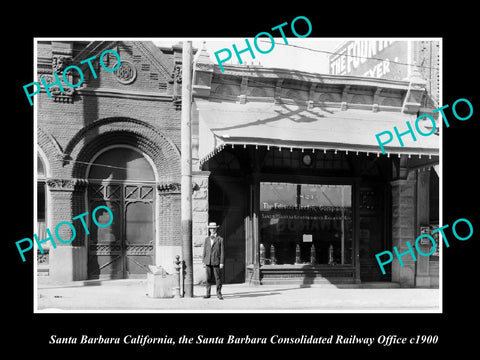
(186, 185)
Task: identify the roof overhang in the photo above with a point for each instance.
(294, 126)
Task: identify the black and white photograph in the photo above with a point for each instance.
(299, 182)
(282, 169)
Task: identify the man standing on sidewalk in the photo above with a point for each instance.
(213, 260)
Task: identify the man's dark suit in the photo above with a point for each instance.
(213, 256)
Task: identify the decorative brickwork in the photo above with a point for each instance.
(52, 151)
(169, 219)
(145, 137)
(131, 106)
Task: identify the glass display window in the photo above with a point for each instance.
(306, 223)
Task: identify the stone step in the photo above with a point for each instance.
(338, 282)
(306, 280)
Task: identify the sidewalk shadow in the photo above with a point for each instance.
(248, 295)
(260, 293)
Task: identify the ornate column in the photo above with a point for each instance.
(68, 262)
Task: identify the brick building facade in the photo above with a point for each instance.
(115, 141)
(129, 116)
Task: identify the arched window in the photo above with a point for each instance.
(41, 173)
(42, 209)
(121, 164)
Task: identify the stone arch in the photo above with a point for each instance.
(117, 131)
(51, 151)
(166, 162)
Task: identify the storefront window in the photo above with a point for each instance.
(305, 223)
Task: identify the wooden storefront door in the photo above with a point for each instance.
(125, 248)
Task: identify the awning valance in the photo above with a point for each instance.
(293, 126)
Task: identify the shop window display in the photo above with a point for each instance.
(306, 223)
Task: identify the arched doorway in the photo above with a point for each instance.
(123, 179)
(41, 197)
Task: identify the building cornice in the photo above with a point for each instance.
(308, 77)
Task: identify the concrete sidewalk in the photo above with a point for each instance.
(130, 295)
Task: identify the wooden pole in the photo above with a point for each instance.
(186, 166)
